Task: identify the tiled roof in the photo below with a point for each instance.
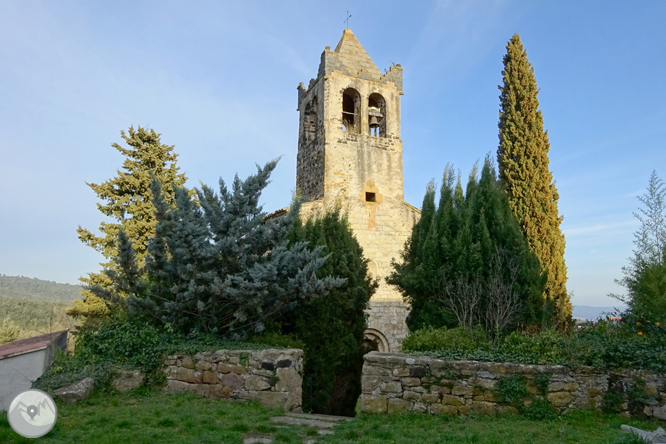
(30, 344)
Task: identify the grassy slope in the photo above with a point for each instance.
(37, 289)
(30, 307)
(151, 416)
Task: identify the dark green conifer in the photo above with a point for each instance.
(332, 327)
(473, 241)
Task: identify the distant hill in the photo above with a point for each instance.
(594, 313)
(37, 289)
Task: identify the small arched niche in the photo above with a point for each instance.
(310, 122)
(351, 111)
(375, 341)
(376, 115)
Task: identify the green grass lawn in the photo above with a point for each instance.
(156, 417)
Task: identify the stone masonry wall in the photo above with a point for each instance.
(273, 377)
(399, 382)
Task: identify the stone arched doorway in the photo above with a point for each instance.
(375, 340)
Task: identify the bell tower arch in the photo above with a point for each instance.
(350, 154)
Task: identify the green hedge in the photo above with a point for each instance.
(633, 344)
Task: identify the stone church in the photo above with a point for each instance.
(350, 153)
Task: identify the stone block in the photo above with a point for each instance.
(559, 399)
(287, 379)
(437, 409)
(417, 372)
(460, 390)
(256, 383)
(391, 387)
(411, 396)
(464, 409)
(374, 403)
(451, 400)
(370, 383)
(376, 371)
(272, 399)
(232, 380)
(410, 382)
(483, 407)
(401, 372)
(209, 377)
(220, 391)
(76, 392)
(177, 386)
(294, 399)
(188, 375)
(187, 362)
(223, 368)
(127, 380)
(396, 405)
(487, 384)
(659, 412)
(430, 397)
(571, 386)
(204, 365)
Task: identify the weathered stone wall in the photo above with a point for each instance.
(273, 377)
(400, 382)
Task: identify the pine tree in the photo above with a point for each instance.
(215, 266)
(523, 166)
(333, 327)
(127, 199)
(645, 276)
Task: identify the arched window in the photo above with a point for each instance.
(375, 340)
(310, 122)
(377, 115)
(351, 111)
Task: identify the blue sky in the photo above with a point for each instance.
(218, 80)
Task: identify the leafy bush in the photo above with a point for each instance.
(630, 344)
(443, 338)
(539, 410)
(512, 389)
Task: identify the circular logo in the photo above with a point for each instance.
(32, 413)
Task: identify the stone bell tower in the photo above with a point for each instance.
(350, 153)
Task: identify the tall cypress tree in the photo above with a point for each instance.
(523, 161)
(127, 199)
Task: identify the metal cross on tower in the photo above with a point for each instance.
(346, 21)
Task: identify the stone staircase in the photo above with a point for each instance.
(323, 423)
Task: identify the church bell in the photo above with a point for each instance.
(374, 122)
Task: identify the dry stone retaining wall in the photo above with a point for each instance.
(273, 377)
(394, 382)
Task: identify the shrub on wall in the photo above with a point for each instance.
(430, 338)
(121, 344)
(607, 345)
